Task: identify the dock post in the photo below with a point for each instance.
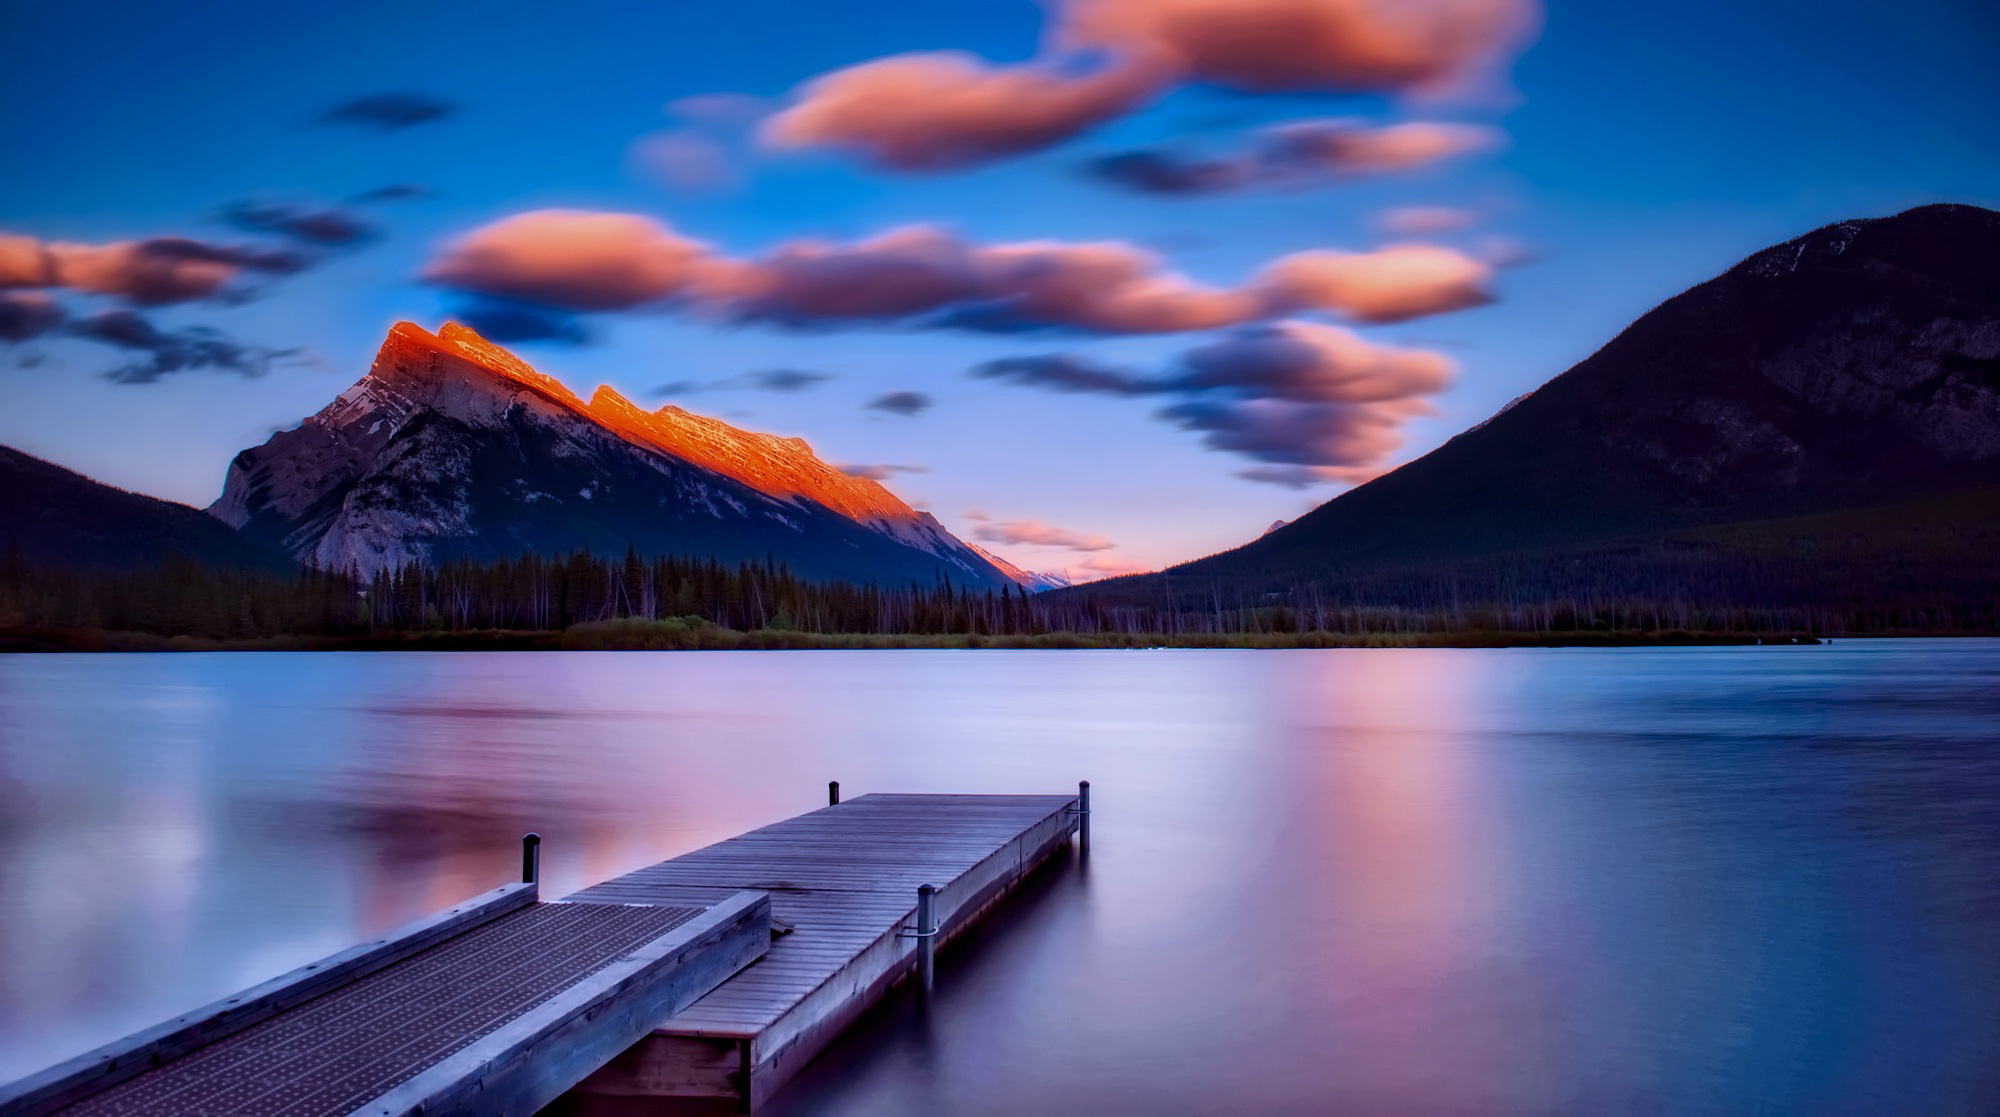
(927, 934)
(833, 793)
(1083, 816)
(531, 858)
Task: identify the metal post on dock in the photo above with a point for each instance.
(927, 933)
(1083, 816)
(531, 858)
(833, 793)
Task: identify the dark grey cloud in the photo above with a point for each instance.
(1318, 403)
(1164, 172)
(1304, 152)
(880, 472)
(786, 379)
(166, 352)
(388, 112)
(394, 192)
(325, 226)
(28, 314)
(1063, 372)
(509, 320)
(901, 403)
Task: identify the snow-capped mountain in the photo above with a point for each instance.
(452, 447)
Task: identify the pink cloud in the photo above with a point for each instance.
(1350, 147)
(1038, 534)
(1388, 285)
(1271, 46)
(153, 271)
(945, 110)
(1104, 566)
(573, 259)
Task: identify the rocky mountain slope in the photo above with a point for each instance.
(451, 447)
(54, 517)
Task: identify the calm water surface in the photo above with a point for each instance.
(1397, 882)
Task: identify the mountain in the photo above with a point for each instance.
(451, 447)
(60, 518)
(1845, 383)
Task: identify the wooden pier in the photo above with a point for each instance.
(716, 975)
(496, 1006)
(850, 922)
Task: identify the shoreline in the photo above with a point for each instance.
(641, 636)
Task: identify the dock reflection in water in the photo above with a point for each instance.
(1675, 880)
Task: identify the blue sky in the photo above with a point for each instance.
(1647, 146)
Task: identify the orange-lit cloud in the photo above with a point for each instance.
(943, 110)
(1104, 566)
(1388, 285)
(1279, 46)
(1037, 534)
(1299, 153)
(926, 276)
(572, 259)
(150, 272)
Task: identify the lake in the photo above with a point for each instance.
(1648, 880)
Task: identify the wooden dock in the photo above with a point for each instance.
(850, 922)
(496, 1006)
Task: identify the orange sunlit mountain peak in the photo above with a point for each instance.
(782, 467)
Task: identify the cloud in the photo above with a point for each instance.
(1037, 534)
(1388, 285)
(1305, 477)
(786, 379)
(947, 110)
(1320, 401)
(720, 111)
(1296, 154)
(509, 320)
(1162, 172)
(323, 226)
(393, 192)
(572, 259)
(901, 403)
(1419, 221)
(1284, 46)
(389, 112)
(1109, 566)
(28, 314)
(150, 272)
(880, 472)
(685, 160)
(170, 351)
(1347, 436)
(924, 276)
(1064, 372)
(1102, 59)
(1305, 362)
(1347, 147)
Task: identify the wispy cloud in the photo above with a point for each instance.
(1038, 534)
(901, 403)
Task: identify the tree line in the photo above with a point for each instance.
(536, 593)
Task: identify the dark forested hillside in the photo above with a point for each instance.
(52, 516)
(1837, 397)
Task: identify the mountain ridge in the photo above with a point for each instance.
(452, 447)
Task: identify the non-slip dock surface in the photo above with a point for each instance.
(841, 877)
(356, 1042)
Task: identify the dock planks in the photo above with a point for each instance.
(844, 879)
(494, 1007)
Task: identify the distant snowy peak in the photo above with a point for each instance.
(1026, 579)
(408, 463)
